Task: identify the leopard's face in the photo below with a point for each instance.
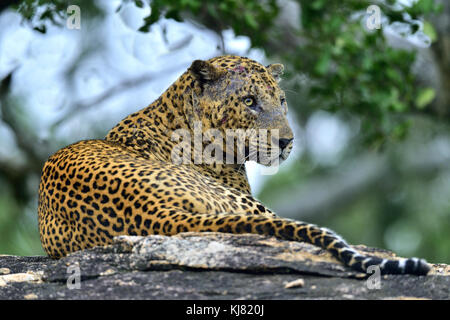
(235, 93)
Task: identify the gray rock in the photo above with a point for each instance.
(208, 266)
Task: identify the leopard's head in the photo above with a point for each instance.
(235, 96)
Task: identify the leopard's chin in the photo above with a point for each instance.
(284, 155)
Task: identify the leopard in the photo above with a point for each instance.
(140, 180)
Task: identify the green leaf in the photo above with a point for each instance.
(424, 97)
(323, 64)
(318, 4)
(428, 29)
(139, 3)
(250, 20)
(41, 28)
(144, 28)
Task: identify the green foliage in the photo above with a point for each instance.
(424, 97)
(40, 12)
(18, 228)
(354, 70)
(246, 17)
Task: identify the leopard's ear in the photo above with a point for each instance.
(276, 70)
(204, 71)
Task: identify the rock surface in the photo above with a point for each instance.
(208, 266)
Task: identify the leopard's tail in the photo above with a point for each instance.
(360, 262)
(288, 229)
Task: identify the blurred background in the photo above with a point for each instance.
(368, 90)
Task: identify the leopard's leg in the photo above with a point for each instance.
(176, 221)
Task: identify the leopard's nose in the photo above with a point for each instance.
(283, 143)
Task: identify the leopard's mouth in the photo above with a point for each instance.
(284, 155)
(267, 155)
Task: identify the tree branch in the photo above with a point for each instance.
(82, 106)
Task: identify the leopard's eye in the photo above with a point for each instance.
(283, 100)
(249, 101)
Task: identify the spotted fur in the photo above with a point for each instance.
(127, 183)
